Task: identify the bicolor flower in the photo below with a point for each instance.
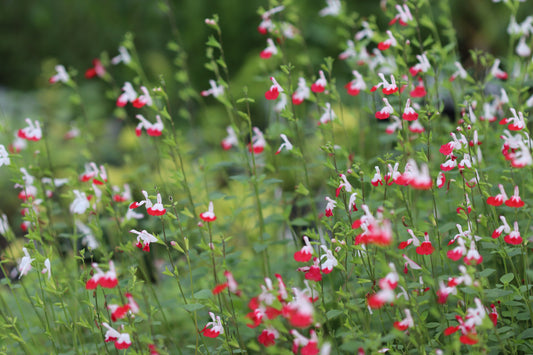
(88, 238)
(473, 256)
(143, 99)
(304, 345)
(215, 90)
(419, 89)
(328, 260)
(441, 180)
(349, 52)
(351, 202)
(426, 248)
(328, 115)
(413, 240)
(461, 72)
(121, 196)
(274, 91)
(320, 84)
(330, 206)
(61, 75)
(266, 24)
(258, 142)
(119, 312)
(121, 340)
(105, 280)
(32, 132)
(343, 184)
(80, 203)
(386, 111)
(499, 198)
(153, 129)
(516, 123)
(444, 292)
(302, 92)
(422, 66)
(366, 32)
(388, 88)
(128, 95)
(270, 50)
(403, 17)
(409, 114)
(122, 57)
(304, 255)
(377, 179)
(355, 86)
(230, 140)
(144, 239)
(503, 228)
(390, 281)
(416, 127)
(286, 144)
(230, 284)
(409, 263)
(514, 237)
(312, 272)
(407, 322)
(390, 41)
(156, 209)
(209, 215)
(299, 311)
(333, 8)
(214, 328)
(515, 200)
(96, 70)
(497, 72)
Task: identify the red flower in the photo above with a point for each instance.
(515, 200)
(209, 215)
(304, 255)
(268, 337)
(320, 84)
(96, 70)
(274, 90)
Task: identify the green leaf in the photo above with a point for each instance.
(487, 272)
(505, 279)
(192, 307)
(212, 42)
(302, 190)
(167, 272)
(526, 334)
(333, 313)
(203, 294)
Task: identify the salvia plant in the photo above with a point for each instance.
(373, 201)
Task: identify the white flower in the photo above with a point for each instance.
(25, 263)
(4, 157)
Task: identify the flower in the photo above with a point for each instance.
(153, 129)
(344, 183)
(522, 49)
(142, 100)
(47, 268)
(333, 8)
(80, 203)
(515, 200)
(230, 283)
(105, 280)
(385, 112)
(320, 84)
(156, 209)
(422, 66)
(215, 90)
(308, 346)
(61, 75)
(286, 144)
(144, 239)
(377, 179)
(304, 255)
(266, 24)
(473, 256)
(96, 70)
(387, 89)
(4, 224)
(121, 340)
(497, 72)
(268, 336)
(348, 52)
(32, 132)
(461, 72)
(216, 327)
(258, 142)
(302, 92)
(299, 311)
(330, 206)
(420, 91)
(330, 261)
(391, 41)
(209, 215)
(25, 263)
(426, 248)
(441, 180)
(355, 86)
(270, 50)
(274, 90)
(499, 198)
(312, 272)
(403, 16)
(410, 263)
(122, 57)
(128, 95)
(409, 113)
(4, 157)
(328, 115)
(231, 140)
(514, 237)
(503, 228)
(516, 123)
(119, 312)
(407, 322)
(88, 238)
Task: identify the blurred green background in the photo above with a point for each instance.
(73, 32)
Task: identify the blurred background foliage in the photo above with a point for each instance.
(73, 32)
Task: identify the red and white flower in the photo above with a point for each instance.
(152, 129)
(515, 200)
(268, 336)
(299, 311)
(403, 17)
(230, 140)
(209, 215)
(144, 239)
(386, 111)
(215, 90)
(461, 72)
(96, 70)
(388, 88)
(121, 340)
(274, 91)
(304, 255)
(302, 92)
(156, 209)
(405, 323)
(258, 142)
(409, 114)
(320, 84)
(514, 237)
(122, 57)
(355, 86)
(497, 72)
(503, 228)
(386, 44)
(144, 99)
(349, 52)
(214, 328)
(128, 95)
(25, 263)
(61, 75)
(270, 50)
(105, 280)
(328, 260)
(80, 203)
(286, 144)
(422, 66)
(328, 115)
(377, 179)
(330, 206)
(32, 132)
